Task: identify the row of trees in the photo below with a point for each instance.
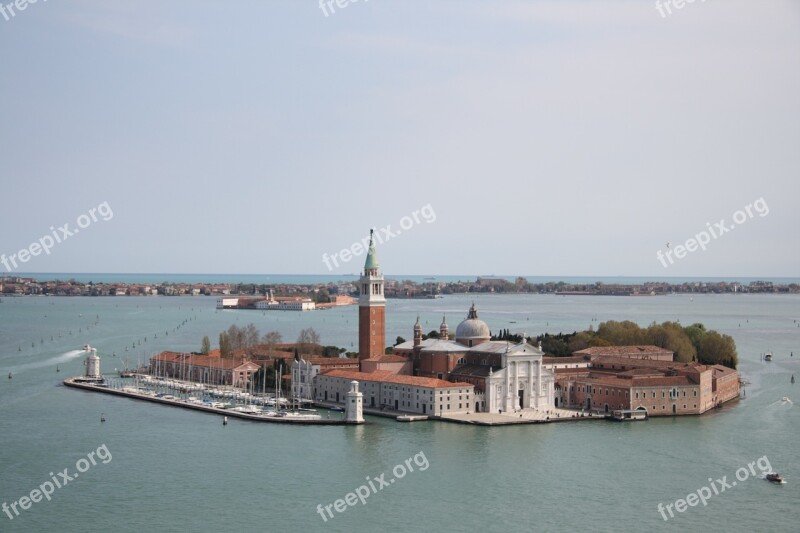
(690, 343)
(236, 338)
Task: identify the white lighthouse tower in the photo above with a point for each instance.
(93, 366)
(353, 410)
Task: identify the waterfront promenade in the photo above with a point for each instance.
(525, 416)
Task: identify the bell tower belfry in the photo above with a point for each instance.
(371, 308)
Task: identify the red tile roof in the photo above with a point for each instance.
(572, 359)
(208, 361)
(333, 361)
(624, 351)
(632, 362)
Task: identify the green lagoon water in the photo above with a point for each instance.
(178, 470)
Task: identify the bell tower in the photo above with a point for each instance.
(371, 308)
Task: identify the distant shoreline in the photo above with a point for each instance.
(322, 290)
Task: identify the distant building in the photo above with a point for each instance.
(304, 372)
(507, 376)
(636, 352)
(574, 361)
(203, 368)
(412, 394)
(659, 387)
(297, 304)
(227, 303)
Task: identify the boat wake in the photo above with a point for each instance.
(63, 358)
(783, 401)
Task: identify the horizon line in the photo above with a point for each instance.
(27, 274)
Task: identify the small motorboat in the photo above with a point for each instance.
(774, 477)
(792, 379)
(10, 376)
(768, 356)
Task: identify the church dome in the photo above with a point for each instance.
(472, 329)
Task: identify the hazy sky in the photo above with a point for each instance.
(549, 138)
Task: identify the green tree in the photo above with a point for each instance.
(205, 347)
(322, 296)
(717, 349)
(224, 345)
(251, 335)
(332, 351)
(624, 333)
(671, 336)
(696, 332)
(432, 335)
(585, 339)
(271, 339)
(307, 338)
(399, 340)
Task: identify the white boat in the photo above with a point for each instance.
(248, 409)
(296, 415)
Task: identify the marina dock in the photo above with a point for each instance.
(78, 383)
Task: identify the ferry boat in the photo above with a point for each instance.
(621, 415)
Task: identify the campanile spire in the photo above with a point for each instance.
(371, 307)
